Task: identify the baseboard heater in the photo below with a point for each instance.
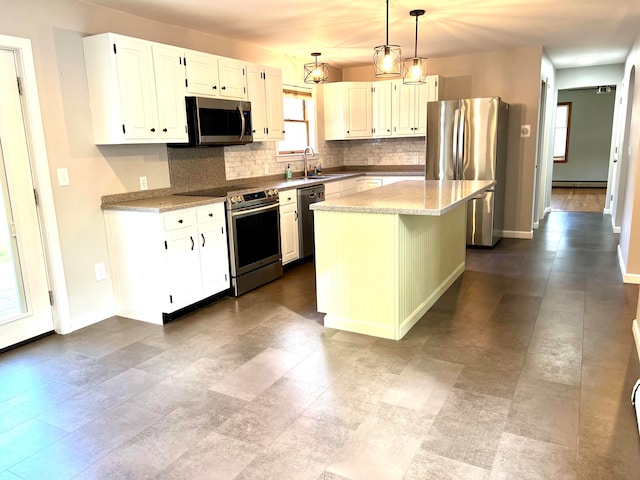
(579, 184)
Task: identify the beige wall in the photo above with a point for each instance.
(513, 75)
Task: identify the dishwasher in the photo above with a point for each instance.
(307, 196)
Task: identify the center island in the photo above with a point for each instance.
(384, 256)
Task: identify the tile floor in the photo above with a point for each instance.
(522, 370)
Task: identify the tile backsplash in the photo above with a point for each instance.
(201, 167)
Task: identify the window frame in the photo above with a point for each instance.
(304, 97)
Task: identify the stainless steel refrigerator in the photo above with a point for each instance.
(467, 140)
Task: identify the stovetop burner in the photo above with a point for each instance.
(239, 196)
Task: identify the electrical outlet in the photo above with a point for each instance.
(143, 183)
(63, 177)
(525, 131)
(100, 272)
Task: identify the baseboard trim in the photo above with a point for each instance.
(606, 211)
(615, 229)
(580, 184)
(523, 235)
(626, 277)
(85, 320)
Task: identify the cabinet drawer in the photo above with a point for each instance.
(288, 196)
(215, 211)
(181, 219)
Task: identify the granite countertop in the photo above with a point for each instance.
(165, 203)
(408, 197)
(166, 200)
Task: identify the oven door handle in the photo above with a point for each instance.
(254, 210)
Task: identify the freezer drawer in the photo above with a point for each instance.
(481, 225)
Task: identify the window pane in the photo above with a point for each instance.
(560, 142)
(295, 137)
(293, 108)
(562, 116)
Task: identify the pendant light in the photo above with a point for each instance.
(415, 68)
(387, 59)
(316, 72)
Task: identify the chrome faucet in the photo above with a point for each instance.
(304, 157)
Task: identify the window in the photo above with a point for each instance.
(299, 129)
(563, 125)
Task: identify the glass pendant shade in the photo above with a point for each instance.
(415, 68)
(415, 71)
(316, 72)
(387, 59)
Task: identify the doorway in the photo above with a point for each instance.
(582, 148)
(25, 309)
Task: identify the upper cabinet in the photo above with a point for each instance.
(378, 109)
(265, 94)
(208, 75)
(136, 90)
(347, 110)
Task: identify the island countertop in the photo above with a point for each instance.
(409, 197)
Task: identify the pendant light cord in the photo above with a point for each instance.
(415, 52)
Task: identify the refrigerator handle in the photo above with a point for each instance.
(456, 123)
(460, 147)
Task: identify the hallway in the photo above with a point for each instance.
(570, 199)
(523, 369)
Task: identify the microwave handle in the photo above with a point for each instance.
(242, 120)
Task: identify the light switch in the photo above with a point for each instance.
(63, 177)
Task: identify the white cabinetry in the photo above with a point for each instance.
(136, 90)
(381, 94)
(162, 262)
(289, 238)
(379, 109)
(347, 110)
(209, 75)
(265, 94)
(340, 188)
(410, 106)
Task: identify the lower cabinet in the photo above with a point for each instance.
(340, 188)
(289, 238)
(162, 262)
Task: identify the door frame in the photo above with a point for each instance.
(41, 178)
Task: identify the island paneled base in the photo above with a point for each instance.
(378, 273)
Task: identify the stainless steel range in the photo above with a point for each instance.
(253, 232)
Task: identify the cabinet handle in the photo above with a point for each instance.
(215, 87)
(211, 214)
(296, 215)
(193, 244)
(180, 221)
(223, 88)
(164, 130)
(202, 235)
(153, 129)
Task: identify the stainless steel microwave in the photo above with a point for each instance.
(218, 122)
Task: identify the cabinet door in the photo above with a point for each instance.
(257, 96)
(381, 100)
(233, 79)
(404, 109)
(289, 232)
(169, 80)
(183, 268)
(214, 253)
(137, 88)
(201, 71)
(273, 102)
(359, 111)
(422, 93)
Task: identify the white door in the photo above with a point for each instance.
(25, 311)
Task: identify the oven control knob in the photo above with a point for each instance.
(275, 191)
(270, 193)
(238, 198)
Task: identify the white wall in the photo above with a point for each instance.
(545, 168)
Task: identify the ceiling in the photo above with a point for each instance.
(573, 32)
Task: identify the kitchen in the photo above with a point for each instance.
(56, 30)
